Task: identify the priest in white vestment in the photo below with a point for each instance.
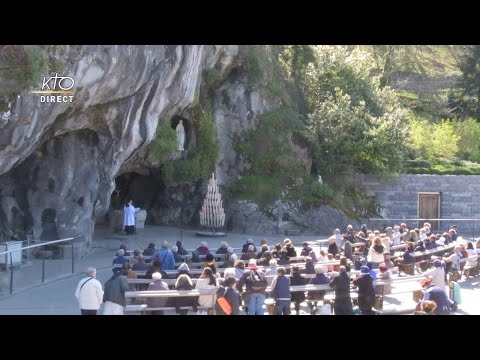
(129, 217)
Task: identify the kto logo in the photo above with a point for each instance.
(60, 85)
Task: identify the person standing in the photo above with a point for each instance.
(89, 293)
(341, 284)
(129, 217)
(114, 294)
(255, 284)
(231, 295)
(281, 292)
(366, 291)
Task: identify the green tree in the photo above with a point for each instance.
(274, 167)
(420, 139)
(444, 141)
(469, 132)
(356, 125)
(434, 142)
(469, 102)
(424, 60)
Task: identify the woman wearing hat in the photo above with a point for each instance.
(366, 291)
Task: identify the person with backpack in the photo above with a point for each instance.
(89, 293)
(114, 293)
(229, 293)
(167, 260)
(255, 284)
(438, 295)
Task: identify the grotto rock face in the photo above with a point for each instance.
(237, 105)
(53, 192)
(58, 161)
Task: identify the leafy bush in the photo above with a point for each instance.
(200, 161)
(441, 169)
(256, 63)
(165, 141)
(469, 145)
(417, 163)
(433, 141)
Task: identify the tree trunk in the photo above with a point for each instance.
(280, 216)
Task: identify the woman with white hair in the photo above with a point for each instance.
(230, 258)
(229, 272)
(223, 249)
(332, 246)
(183, 269)
(176, 256)
(271, 271)
(317, 295)
(201, 250)
(245, 246)
(120, 259)
(157, 285)
(207, 282)
(250, 254)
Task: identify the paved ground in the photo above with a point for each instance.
(56, 295)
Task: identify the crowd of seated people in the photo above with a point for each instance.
(383, 250)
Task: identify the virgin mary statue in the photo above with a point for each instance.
(180, 136)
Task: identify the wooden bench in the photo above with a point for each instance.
(218, 264)
(329, 297)
(142, 308)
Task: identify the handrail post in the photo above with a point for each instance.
(11, 272)
(73, 259)
(43, 266)
(474, 230)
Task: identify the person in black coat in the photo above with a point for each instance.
(332, 247)
(245, 246)
(297, 280)
(181, 249)
(341, 284)
(366, 291)
(155, 267)
(229, 291)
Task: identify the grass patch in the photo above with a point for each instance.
(445, 169)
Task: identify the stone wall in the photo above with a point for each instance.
(459, 197)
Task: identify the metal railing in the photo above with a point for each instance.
(47, 243)
(465, 225)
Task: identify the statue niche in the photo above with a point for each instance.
(180, 136)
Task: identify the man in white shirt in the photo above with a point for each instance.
(89, 293)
